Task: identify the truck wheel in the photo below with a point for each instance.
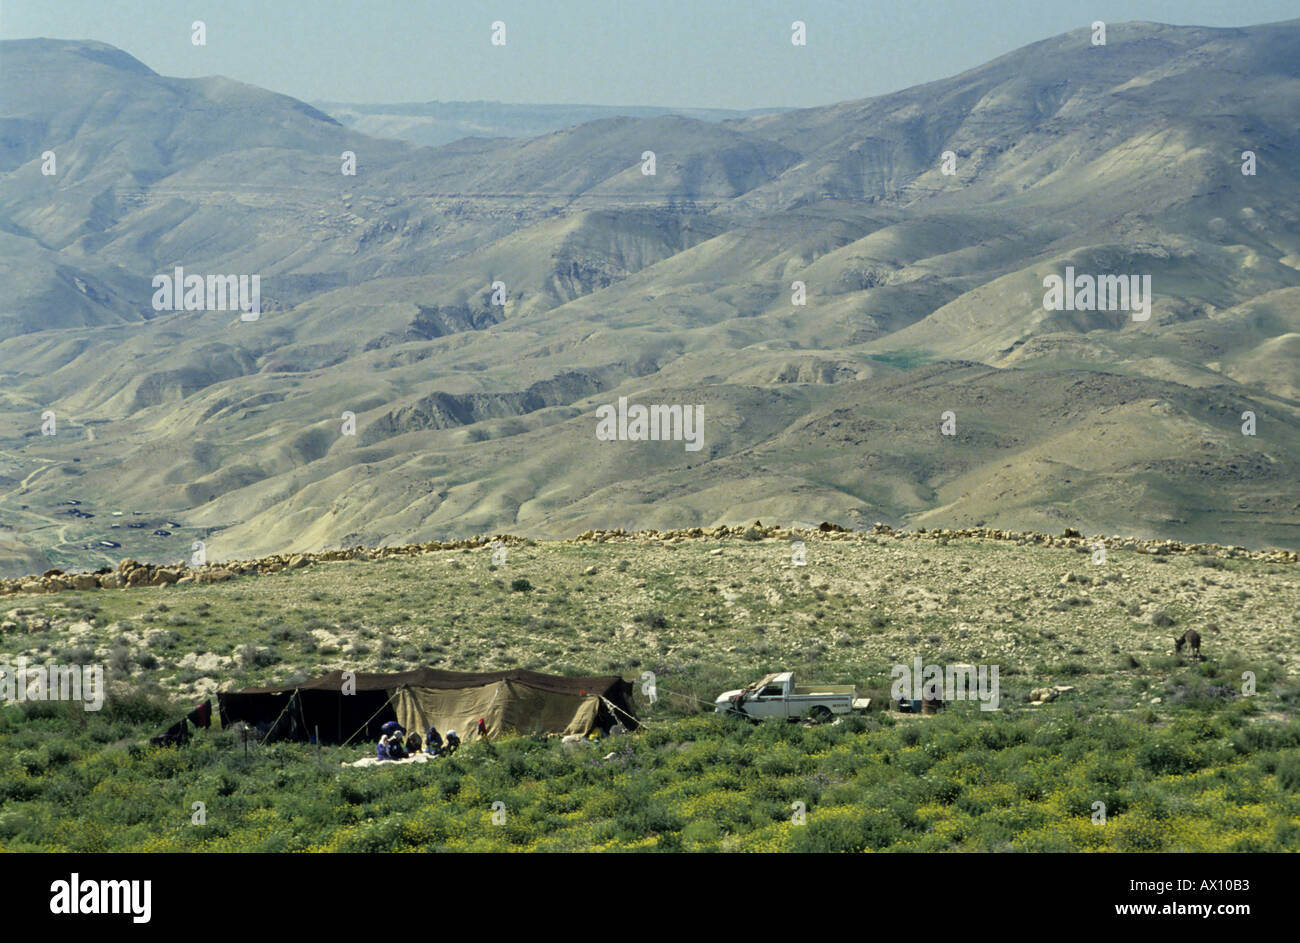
(820, 714)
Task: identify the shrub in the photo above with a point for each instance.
(119, 660)
(250, 656)
(79, 655)
(1137, 832)
(836, 829)
(139, 704)
(1167, 756)
(1288, 772)
(32, 762)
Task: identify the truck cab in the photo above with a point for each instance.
(772, 699)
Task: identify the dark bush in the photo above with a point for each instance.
(1288, 772)
(652, 618)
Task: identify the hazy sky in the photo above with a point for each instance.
(679, 53)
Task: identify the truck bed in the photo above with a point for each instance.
(823, 690)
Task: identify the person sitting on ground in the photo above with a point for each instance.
(413, 743)
(453, 742)
(381, 749)
(390, 741)
(433, 741)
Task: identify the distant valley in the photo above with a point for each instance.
(433, 124)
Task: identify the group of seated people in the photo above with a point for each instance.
(395, 744)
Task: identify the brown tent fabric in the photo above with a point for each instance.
(526, 702)
(506, 706)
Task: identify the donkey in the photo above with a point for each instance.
(1190, 637)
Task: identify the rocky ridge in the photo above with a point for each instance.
(132, 573)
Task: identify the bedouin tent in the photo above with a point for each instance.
(352, 709)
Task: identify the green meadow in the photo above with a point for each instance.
(1146, 749)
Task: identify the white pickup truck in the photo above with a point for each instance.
(777, 695)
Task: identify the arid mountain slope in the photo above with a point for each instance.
(924, 296)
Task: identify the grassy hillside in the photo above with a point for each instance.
(1181, 758)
